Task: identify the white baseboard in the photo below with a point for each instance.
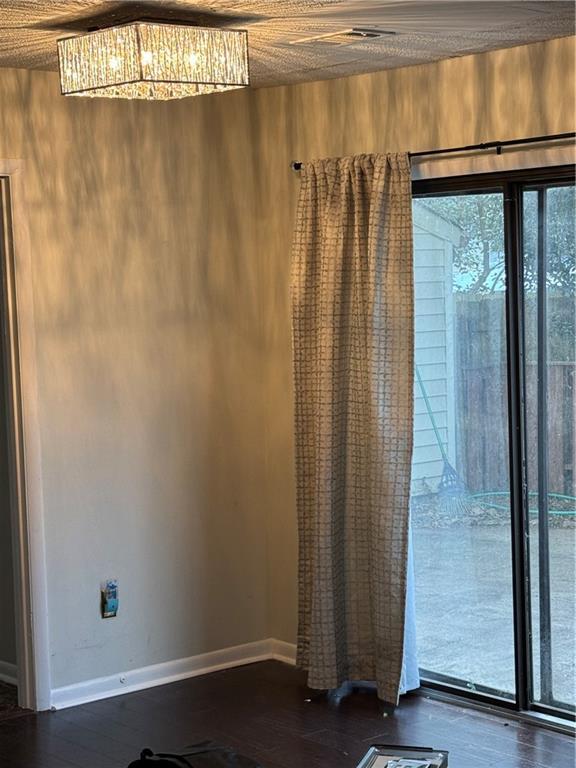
(8, 673)
(282, 651)
(171, 671)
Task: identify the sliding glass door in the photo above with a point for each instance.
(549, 283)
(460, 489)
(493, 499)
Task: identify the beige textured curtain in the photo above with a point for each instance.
(353, 315)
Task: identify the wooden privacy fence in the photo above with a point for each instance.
(482, 400)
(561, 426)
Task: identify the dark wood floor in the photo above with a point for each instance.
(263, 712)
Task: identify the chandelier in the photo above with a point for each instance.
(152, 60)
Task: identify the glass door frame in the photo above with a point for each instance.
(511, 185)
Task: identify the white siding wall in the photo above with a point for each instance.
(432, 273)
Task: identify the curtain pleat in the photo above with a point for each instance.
(353, 315)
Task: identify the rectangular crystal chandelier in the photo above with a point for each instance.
(150, 60)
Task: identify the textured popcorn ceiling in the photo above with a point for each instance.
(283, 34)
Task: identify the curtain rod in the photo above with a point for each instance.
(497, 145)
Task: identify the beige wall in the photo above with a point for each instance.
(143, 220)
(160, 238)
(506, 94)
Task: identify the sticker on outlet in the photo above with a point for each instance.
(109, 598)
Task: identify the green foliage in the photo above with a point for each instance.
(479, 260)
(478, 263)
(560, 241)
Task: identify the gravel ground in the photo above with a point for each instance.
(464, 597)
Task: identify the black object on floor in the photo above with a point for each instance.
(204, 755)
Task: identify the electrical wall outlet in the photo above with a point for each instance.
(109, 598)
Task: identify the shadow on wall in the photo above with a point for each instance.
(149, 340)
